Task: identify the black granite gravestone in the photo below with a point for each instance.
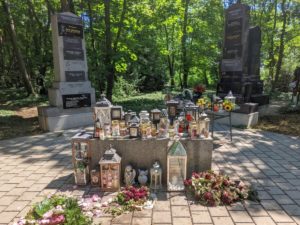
(241, 57)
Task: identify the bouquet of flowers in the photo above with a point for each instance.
(203, 102)
(129, 199)
(210, 188)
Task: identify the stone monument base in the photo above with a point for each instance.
(241, 119)
(55, 119)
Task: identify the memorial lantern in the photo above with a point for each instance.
(163, 124)
(127, 117)
(81, 157)
(155, 116)
(176, 167)
(206, 129)
(231, 99)
(103, 111)
(110, 170)
(191, 109)
(134, 119)
(95, 178)
(172, 108)
(202, 123)
(116, 112)
(134, 130)
(155, 176)
(97, 128)
(123, 128)
(115, 128)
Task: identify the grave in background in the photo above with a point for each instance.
(240, 66)
(71, 95)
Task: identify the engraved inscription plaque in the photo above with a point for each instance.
(70, 54)
(70, 30)
(76, 101)
(72, 43)
(74, 76)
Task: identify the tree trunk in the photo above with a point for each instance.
(185, 65)
(281, 45)
(22, 66)
(108, 52)
(170, 58)
(67, 6)
(120, 26)
(272, 60)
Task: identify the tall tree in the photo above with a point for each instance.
(108, 61)
(11, 27)
(284, 7)
(185, 63)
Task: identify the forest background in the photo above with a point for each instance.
(144, 45)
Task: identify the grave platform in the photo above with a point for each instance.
(143, 153)
(56, 119)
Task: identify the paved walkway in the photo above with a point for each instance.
(32, 167)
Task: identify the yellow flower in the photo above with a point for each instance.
(228, 107)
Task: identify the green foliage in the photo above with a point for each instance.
(124, 88)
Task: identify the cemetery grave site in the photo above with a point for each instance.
(153, 112)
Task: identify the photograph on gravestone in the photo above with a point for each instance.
(73, 43)
(70, 54)
(75, 76)
(70, 30)
(76, 101)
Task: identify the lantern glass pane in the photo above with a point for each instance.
(116, 114)
(133, 131)
(172, 110)
(156, 116)
(176, 173)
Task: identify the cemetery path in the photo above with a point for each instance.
(32, 167)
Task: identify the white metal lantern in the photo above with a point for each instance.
(155, 176)
(231, 98)
(176, 167)
(110, 170)
(103, 111)
(116, 112)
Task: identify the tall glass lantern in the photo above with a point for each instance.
(103, 111)
(155, 116)
(110, 170)
(155, 176)
(176, 167)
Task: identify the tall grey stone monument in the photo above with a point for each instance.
(71, 95)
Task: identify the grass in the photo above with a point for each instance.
(18, 115)
(142, 102)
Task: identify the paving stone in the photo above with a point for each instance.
(283, 200)
(280, 216)
(236, 206)
(263, 221)
(143, 213)
(198, 207)
(292, 210)
(161, 206)
(141, 221)
(182, 221)
(6, 217)
(294, 194)
(102, 221)
(124, 218)
(17, 206)
(16, 191)
(222, 221)
(26, 183)
(7, 187)
(7, 200)
(256, 210)
(180, 211)
(161, 217)
(28, 196)
(178, 200)
(201, 217)
(240, 216)
(218, 211)
(270, 205)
